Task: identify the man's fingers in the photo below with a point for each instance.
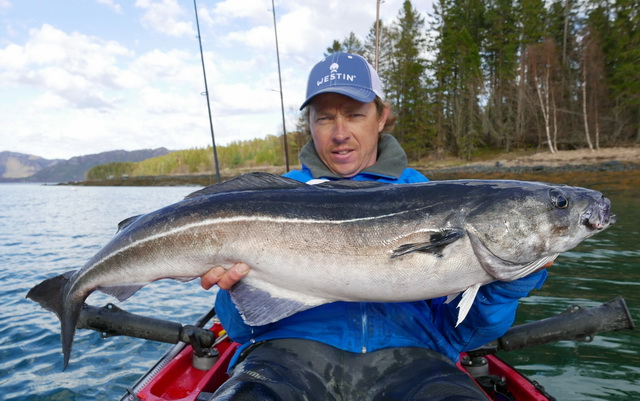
(211, 278)
(545, 266)
(233, 275)
(224, 278)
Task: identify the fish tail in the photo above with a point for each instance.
(50, 295)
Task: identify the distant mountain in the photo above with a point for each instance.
(18, 167)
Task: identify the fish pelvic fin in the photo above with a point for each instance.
(121, 292)
(50, 295)
(437, 242)
(259, 307)
(464, 306)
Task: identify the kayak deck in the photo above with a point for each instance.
(179, 380)
(176, 379)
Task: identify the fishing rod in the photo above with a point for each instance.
(206, 92)
(284, 129)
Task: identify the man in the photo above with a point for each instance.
(359, 351)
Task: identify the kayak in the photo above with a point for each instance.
(176, 377)
(192, 371)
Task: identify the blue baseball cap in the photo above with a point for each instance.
(346, 74)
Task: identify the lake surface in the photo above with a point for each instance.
(47, 230)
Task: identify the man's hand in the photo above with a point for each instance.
(224, 278)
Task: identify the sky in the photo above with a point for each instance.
(79, 77)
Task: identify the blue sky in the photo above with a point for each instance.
(85, 76)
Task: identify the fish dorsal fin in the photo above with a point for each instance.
(127, 222)
(350, 184)
(249, 182)
(435, 245)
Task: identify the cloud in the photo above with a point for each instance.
(5, 5)
(74, 67)
(165, 16)
(109, 3)
(253, 11)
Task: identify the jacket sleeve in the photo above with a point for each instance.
(492, 314)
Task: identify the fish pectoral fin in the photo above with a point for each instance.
(468, 296)
(259, 307)
(121, 292)
(436, 243)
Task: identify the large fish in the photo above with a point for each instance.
(341, 241)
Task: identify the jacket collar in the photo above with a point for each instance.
(391, 161)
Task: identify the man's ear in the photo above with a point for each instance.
(383, 118)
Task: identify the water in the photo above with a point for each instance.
(47, 230)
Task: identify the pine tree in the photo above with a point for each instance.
(500, 49)
(387, 45)
(406, 82)
(351, 44)
(458, 73)
(335, 47)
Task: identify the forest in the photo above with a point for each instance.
(509, 74)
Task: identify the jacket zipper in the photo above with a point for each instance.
(365, 332)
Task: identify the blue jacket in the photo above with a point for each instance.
(368, 326)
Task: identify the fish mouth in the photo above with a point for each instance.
(598, 216)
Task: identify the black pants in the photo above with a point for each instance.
(293, 369)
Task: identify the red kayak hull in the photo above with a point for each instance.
(178, 380)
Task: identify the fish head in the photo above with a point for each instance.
(524, 226)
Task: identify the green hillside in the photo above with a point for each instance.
(241, 154)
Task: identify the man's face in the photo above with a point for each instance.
(345, 132)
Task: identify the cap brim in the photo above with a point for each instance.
(357, 93)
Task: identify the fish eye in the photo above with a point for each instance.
(558, 200)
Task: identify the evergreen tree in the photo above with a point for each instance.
(335, 47)
(387, 45)
(406, 86)
(458, 73)
(500, 46)
(351, 44)
(623, 68)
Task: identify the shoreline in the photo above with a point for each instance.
(503, 166)
(471, 171)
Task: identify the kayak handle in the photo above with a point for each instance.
(110, 321)
(574, 324)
